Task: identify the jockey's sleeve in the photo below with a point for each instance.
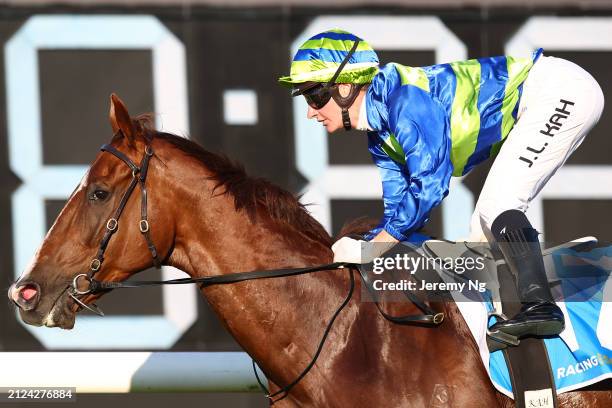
(392, 179)
(421, 127)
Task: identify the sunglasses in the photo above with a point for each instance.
(318, 96)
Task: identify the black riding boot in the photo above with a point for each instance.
(518, 242)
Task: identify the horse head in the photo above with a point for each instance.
(74, 248)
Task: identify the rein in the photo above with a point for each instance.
(431, 317)
(139, 174)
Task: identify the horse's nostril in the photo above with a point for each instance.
(26, 295)
(28, 292)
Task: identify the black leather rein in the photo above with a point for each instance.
(139, 174)
(431, 318)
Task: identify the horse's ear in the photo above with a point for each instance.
(120, 119)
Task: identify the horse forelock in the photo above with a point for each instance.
(248, 192)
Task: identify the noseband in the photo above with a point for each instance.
(139, 176)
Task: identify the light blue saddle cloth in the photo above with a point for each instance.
(582, 354)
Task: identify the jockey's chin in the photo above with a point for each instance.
(332, 127)
(331, 123)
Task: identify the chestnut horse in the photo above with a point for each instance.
(207, 217)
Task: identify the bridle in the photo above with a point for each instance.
(139, 177)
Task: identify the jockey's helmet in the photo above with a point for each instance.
(318, 59)
(329, 58)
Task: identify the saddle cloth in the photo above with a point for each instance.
(582, 354)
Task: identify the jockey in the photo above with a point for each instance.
(426, 124)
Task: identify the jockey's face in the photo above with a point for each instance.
(330, 115)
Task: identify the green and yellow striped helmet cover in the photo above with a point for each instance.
(319, 57)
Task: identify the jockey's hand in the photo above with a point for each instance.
(348, 250)
(358, 251)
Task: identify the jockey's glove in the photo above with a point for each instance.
(359, 251)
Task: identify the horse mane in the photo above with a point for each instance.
(357, 227)
(249, 193)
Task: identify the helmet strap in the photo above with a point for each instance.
(345, 102)
(346, 119)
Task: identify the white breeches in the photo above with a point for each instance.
(560, 103)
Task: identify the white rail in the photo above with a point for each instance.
(121, 372)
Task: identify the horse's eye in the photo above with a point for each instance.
(99, 195)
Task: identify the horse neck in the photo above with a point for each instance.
(212, 238)
(218, 240)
